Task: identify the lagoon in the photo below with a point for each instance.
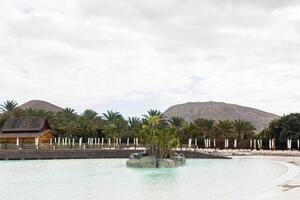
(109, 179)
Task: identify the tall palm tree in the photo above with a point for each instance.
(205, 126)
(134, 126)
(89, 123)
(89, 114)
(134, 122)
(224, 128)
(69, 113)
(8, 106)
(177, 122)
(114, 124)
(188, 130)
(65, 122)
(110, 115)
(243, 128)
(154, 118)
(69, 127)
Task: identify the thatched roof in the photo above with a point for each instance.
(20, 135)
(25, 125)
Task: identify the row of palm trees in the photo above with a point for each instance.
(112, 124)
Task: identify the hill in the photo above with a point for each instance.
(219, 111)
(38, 104)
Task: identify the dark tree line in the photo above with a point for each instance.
(112, 124)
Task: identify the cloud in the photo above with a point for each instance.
(101, 54)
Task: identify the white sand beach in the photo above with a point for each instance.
(289, 190)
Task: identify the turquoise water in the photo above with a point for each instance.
(109, 179)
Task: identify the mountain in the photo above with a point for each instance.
(38, 104)
(219, 111)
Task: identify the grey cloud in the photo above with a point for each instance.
(99, 51)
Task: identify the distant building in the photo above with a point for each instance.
(26, 130)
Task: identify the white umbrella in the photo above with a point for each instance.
(80, 141)
(298, 144)
(73, 142)
(50, 141)
(108, 141)
(102, 142)
(214, 143)
(235, 143)
(17, 142)
(273, 144)
(190, 143)
(127, 141)
(58, 142)
(137, 142)
(289, 144)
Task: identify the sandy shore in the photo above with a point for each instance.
(289, 190)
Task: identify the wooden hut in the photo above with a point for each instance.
(26, 130)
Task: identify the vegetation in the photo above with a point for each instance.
(153, 128)
(286, 127)
(156, 132)
(156, 137)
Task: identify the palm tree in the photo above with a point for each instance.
(89, 123)
(134, 126)
(154, 118)
(205, 126)
(111, 116)
(69, 127)
(188, 130)
(157, 139)
(243, 128)
(66, 122)
(114, 124)
(69, 113)
(177, 122)
(224, 128)
(134, 122)
(8, 106)
(89, 114)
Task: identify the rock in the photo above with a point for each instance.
(143, 162)
(179, 160)
(136, 161)
(166, 163)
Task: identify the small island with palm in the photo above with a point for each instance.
(158, 139)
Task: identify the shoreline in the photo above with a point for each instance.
(288, 189)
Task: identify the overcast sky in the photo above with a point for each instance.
(133, 55)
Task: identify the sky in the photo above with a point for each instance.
(134, 55)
